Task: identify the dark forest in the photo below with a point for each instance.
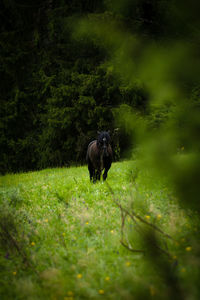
(61, 82)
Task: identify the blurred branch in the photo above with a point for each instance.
(6, 233)
(124, 213)
(123, 217)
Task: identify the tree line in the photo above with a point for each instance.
(58, 89)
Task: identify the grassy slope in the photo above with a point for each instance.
(72, 231)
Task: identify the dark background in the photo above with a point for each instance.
(56, 90)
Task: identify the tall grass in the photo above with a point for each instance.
(60, 237)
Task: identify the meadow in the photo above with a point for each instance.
(60, 237)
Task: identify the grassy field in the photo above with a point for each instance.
(60, 237)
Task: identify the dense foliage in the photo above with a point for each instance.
(56, 90)
(68, 69)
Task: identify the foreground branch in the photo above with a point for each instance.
(124, 213)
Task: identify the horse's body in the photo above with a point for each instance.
(99, 156)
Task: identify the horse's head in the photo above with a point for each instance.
(103, 141)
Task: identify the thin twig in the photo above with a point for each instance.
(15, 244)
(133, 215)
(131, 249)
(17, 247)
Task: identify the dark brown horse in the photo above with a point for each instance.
(99, 156)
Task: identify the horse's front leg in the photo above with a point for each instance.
(98, 175)
(94, 176)
(107, 167)
(105, 174)
(91, 171)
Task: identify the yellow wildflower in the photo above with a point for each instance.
(46, 220)
(183, 270)
(147, 217)
(87, 223)
(128, 263)
(112, 231)
(188, 249)
(64, 234)
(152, 290)
(70, 293)
(79, 276)
(33, 244)
(159, 216)
(101, 292)
(107, 278)
(14, 273)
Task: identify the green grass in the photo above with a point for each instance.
(62, 236)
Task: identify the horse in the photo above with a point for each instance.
(99, 156)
